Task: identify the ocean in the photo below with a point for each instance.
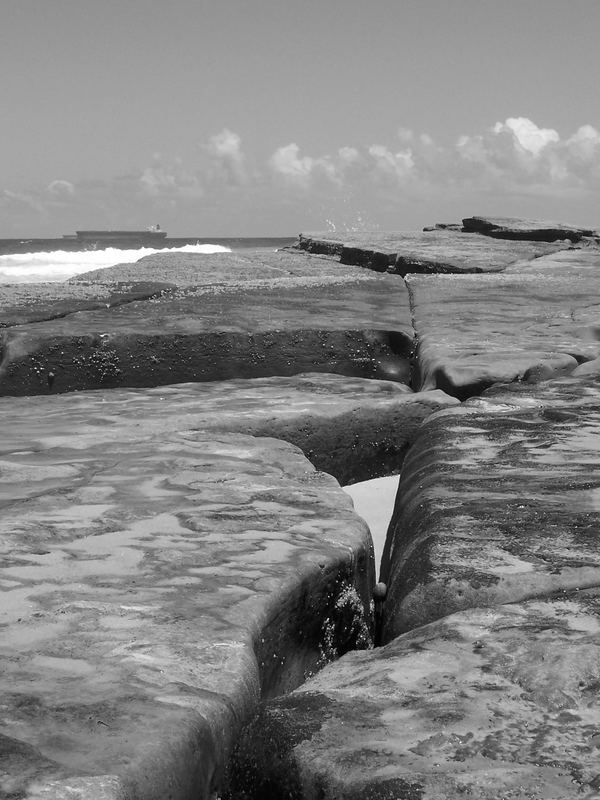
(43, 260)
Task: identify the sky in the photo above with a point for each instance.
(274, 117)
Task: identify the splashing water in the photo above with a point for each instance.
(58, 265)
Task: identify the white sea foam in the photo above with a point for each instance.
(59, 265)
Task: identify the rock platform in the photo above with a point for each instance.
(487, 681)
(189, 608)
(152, 590)
(203, 318)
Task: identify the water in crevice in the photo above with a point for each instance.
(374, 502)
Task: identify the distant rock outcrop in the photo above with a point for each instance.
(532, 230)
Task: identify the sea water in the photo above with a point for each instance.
(43, 265)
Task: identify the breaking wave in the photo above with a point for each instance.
(58, 265)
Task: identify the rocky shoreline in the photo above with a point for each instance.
(188, 599)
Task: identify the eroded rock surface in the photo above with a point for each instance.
(352, 428)
(532, 230)
(151, 589)
(222, 317)
(436, 251)
(474, 331)
(497, 503)
(163, 566)
(486, 703)
(218, 565)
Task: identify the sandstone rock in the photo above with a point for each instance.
(101, 787)
(150, 590)
(162, 567)
(158, 571)
(474, 331)
(351, 322)
(591, 368)
(533, 230)
(441, 250)
(486, 703)
(354, 429)
(36, 302)
(575, 262)
(497, 504)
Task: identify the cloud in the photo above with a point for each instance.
(287, 162)
(381, 181)
(225, 151)
(527, 134)
(395, 165)
(21, 201)
(517, 154)
(61, 188)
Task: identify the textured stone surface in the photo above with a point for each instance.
(352, 428)
(487, 703)
(435, 251)
(498, 502)
(161, 567)
(35, 302)
(150, 590)
(159, 571)
(473, 331)
(575, 262)
(534, 230)
(235, 317)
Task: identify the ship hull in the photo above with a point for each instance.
(109, 237)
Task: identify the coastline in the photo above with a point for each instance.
(53, 244)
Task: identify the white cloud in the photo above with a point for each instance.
(511, 159)
(61, 188)
(225, 150)
(527, 133)
(287, 161)
(398, 165)
(348, 156)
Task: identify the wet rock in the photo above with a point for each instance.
(575, 263)
(152, 588)
(103, 787)
(474, 331)
(352, 428)
(250, 318)
(24, 303)
(21, 765)
(155, 580)
(533, 230)
(439, 251)
(485, 703)
(497, 503)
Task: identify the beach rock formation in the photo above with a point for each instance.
(474, 331)
(531, 230)
(487, 703)
(496, 506)
(188, 599)
(152, 590)
(225, 317)
(352, 428)
(436, 251)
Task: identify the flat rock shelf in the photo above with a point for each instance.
(189, 608)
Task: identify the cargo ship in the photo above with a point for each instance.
(95, 239)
